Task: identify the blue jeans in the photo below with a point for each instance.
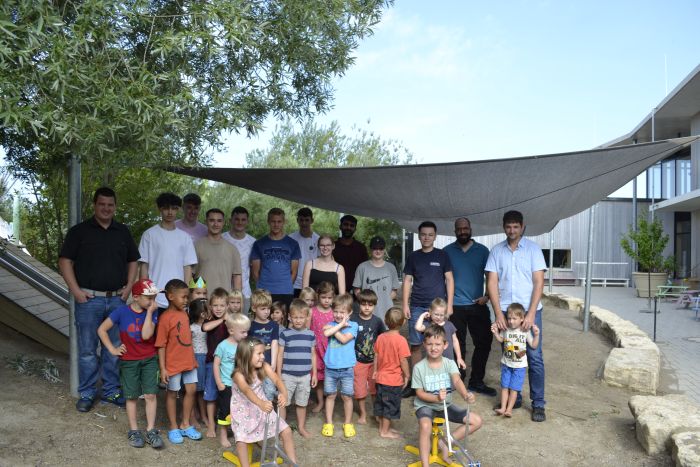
(415, 337)
(535, 368)
(88, 317)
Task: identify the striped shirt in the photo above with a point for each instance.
(298, 345)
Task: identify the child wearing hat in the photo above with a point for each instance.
(138, 357)
(379, 276)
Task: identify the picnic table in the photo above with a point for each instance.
(687, 297)
(670, 291)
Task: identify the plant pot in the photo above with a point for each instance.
(693, 283)
(641, 282)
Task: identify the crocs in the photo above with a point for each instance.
(327, 429)
(175, 437)
(349, 430)
(192, 433)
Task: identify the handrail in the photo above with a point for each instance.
(49, 287)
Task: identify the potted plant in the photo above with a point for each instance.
(650, 241)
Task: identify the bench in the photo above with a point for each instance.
(606, 281)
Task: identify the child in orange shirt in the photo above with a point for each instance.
(178, 365)
(391, 372)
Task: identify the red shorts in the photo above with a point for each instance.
(363, 382)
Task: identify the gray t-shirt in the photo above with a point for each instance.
(431, 380)
(382, 280)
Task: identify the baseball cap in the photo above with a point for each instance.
(144, 287)
(377, 243)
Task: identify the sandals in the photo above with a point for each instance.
(327, 430)
(192, 433)
(349, 430)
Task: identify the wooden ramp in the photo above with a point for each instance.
(33, 298)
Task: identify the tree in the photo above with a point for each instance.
(646, 246)
(315, 146)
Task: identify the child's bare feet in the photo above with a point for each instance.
(304, 433)
(499, 411)
(444, 450)
(507, 414)
(362, 421)
(397, 432)
(317, 408)
(390, 434)
(211, 433)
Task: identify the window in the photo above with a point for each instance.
(562, 259)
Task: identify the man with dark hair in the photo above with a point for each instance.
(166, 252)
(191, 205)
(243, 242)
(427, 275)
(468, 260)
(98, 262)
(515, 270)
(308, 243)
(348, 252)
(274, 260)
(218, 261)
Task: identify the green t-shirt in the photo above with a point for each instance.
(431, 380)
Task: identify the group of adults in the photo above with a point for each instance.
(100, 262)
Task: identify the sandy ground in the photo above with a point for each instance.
(588, 422)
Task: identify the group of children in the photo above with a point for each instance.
(230, 366)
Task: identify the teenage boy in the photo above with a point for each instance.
(243, 243)
(377, 275)
(166, 252)
(217, 260)
(348, 252)
(189, 223)
(435, 378)
(274, 260)
(308, 243)
(138, 361)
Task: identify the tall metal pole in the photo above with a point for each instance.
(16, 230)
(74, 202)
(551, 260)
(589, 273)
(633, 265)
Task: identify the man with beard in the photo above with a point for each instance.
(468, 260)
(349, 252)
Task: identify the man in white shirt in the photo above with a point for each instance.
(243, 242)
(308, 243)
(166, 252)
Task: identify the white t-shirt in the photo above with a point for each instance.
(244, 245)
(166, 252)
(515, 342)
(198, 231)
(309, 251)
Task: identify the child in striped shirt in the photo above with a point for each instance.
(296, 362)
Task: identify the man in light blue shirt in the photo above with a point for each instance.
(515, 270)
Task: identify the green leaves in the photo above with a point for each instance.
(646, 246)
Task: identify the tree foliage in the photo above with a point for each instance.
(646, 246)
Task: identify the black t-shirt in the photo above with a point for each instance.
(428, 271)
(350, 257)
(100, 256)
(367, 332)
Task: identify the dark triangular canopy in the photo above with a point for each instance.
(544, 188)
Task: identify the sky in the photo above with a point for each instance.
(464, 80)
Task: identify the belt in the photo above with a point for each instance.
(99, 293)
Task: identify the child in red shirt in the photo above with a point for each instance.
(178, 365)
(391, 372)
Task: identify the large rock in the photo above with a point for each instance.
(658, 418)
(562, 301)
(686, 448)
(634, 368)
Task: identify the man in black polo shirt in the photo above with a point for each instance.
(98, 263)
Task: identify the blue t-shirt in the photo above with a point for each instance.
(267, 333)
(339, 355)
(298, 345)
(276, 258)
(468, 269)
(130, 324)
(428, 271)
(226, 351)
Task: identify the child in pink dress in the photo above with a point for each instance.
(321, 315)
(250, 410)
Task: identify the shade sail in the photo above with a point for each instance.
(544, 188)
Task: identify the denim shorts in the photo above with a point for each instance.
(201, 370)
(415, 337)
(343, 376)
(269, 389)
(387, 404)
(210, 389)
(512, 378)
(175, 382)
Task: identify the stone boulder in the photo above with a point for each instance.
(657, 418)
(634, 368)
(686, 448)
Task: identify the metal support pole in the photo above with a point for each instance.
(16, 230)
(74, 202)
(589, 267)
(403, 250)
(551, 260)
(633, 264)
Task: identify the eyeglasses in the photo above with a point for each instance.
(324, 245)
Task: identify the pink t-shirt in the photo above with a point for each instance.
(198, 231)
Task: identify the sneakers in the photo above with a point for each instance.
(135, 439)
(538, 414)
(84, 404)
(153, 438)
(116, 399)
(481, 388)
